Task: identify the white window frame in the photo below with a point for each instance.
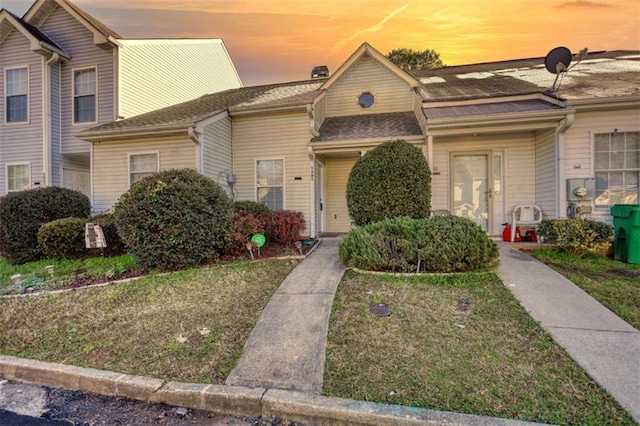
(283, 186)
(134, 154)
(372, 105)
(73, 95)
(609, 170)
(6, 70)
(6, 170)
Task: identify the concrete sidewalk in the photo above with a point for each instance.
(604, 345)
(286, 349)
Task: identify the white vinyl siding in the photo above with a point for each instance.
(17, 95)
(217, 158)
(274, 136)
(18, 177)
(110, 162)
(337, 175)
(142, 165)
(546, 172)
(157, 73)
(78, 41)
(84, 96)
(21, 143)
(78, 180)
(391, 93)
(579, 144)
(519, 164)
(270, 183)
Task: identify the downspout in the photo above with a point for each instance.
(561, 155)
(197, 138)
(46, 120)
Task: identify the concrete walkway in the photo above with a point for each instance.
(286, 349)
(604, 345)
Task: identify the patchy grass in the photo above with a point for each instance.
(494, 360)
(614, 284)
(133, 328)
(35, 276)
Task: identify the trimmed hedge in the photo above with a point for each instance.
(65, 238)
(391, 180)
(23, 213)
(577, 236)
(173, 219)
(438, 243)
(252, 207)
(283, 226)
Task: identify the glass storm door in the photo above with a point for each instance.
(470, 188)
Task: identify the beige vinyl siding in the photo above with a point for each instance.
(274, 137)
(320, 112)
(110, 161)
(338, 170)
(519, 166)
(217, 151)
(546, 172)
(21, 142)
(579, 142)
(391, 93)
(157, 73)
(77, 40)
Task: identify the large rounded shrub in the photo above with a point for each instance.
(403, 244)
(23, 213)
(577, 236)
(173, 219)
(391, 180)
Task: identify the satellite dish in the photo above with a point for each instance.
(557, 56)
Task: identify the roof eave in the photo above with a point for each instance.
(613, 102)
(131, 133)
(262, 110)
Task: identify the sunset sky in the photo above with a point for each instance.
(281, 40)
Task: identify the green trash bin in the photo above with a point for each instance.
(626, 221)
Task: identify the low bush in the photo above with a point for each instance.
(403, 244)
(173, 219)
(63, 239)
(242, 227)
(23, 213)
(252, 207)
(577, 236)
(283, 226)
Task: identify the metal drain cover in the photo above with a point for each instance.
(380, 309)
(464, 305)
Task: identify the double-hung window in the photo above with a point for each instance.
(84, 96)
(617, 168)
(17, 92)
(270, 183)
(17, 177)
(142, 165)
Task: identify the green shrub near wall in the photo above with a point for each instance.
(391, 180)
(23, 213)
(577, 236)
(173, 219)
(439, 243)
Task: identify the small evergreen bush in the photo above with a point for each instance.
(577, 236)
(283, 226)
(391, 180)
(23, 213)
(439, 243)
(252, 207)
(173, 219)
(63, 239)
(115, 245)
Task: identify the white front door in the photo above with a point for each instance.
(322, 197)
(499, 190)
(76, 179)
(470, 188)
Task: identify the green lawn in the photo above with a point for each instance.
(139, 327)
(614, 284)
(493, 360)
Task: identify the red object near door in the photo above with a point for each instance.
(532, 236)
(506, 233)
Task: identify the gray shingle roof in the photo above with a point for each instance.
(489, 109)
(388, 125)
(601, 74)
(187, 113)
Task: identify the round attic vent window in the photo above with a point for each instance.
(366, 100)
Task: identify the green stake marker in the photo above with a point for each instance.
(258, 240)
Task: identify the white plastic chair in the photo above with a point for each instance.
(529, 216)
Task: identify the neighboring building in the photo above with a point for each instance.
(492, 133)
(62, 71)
